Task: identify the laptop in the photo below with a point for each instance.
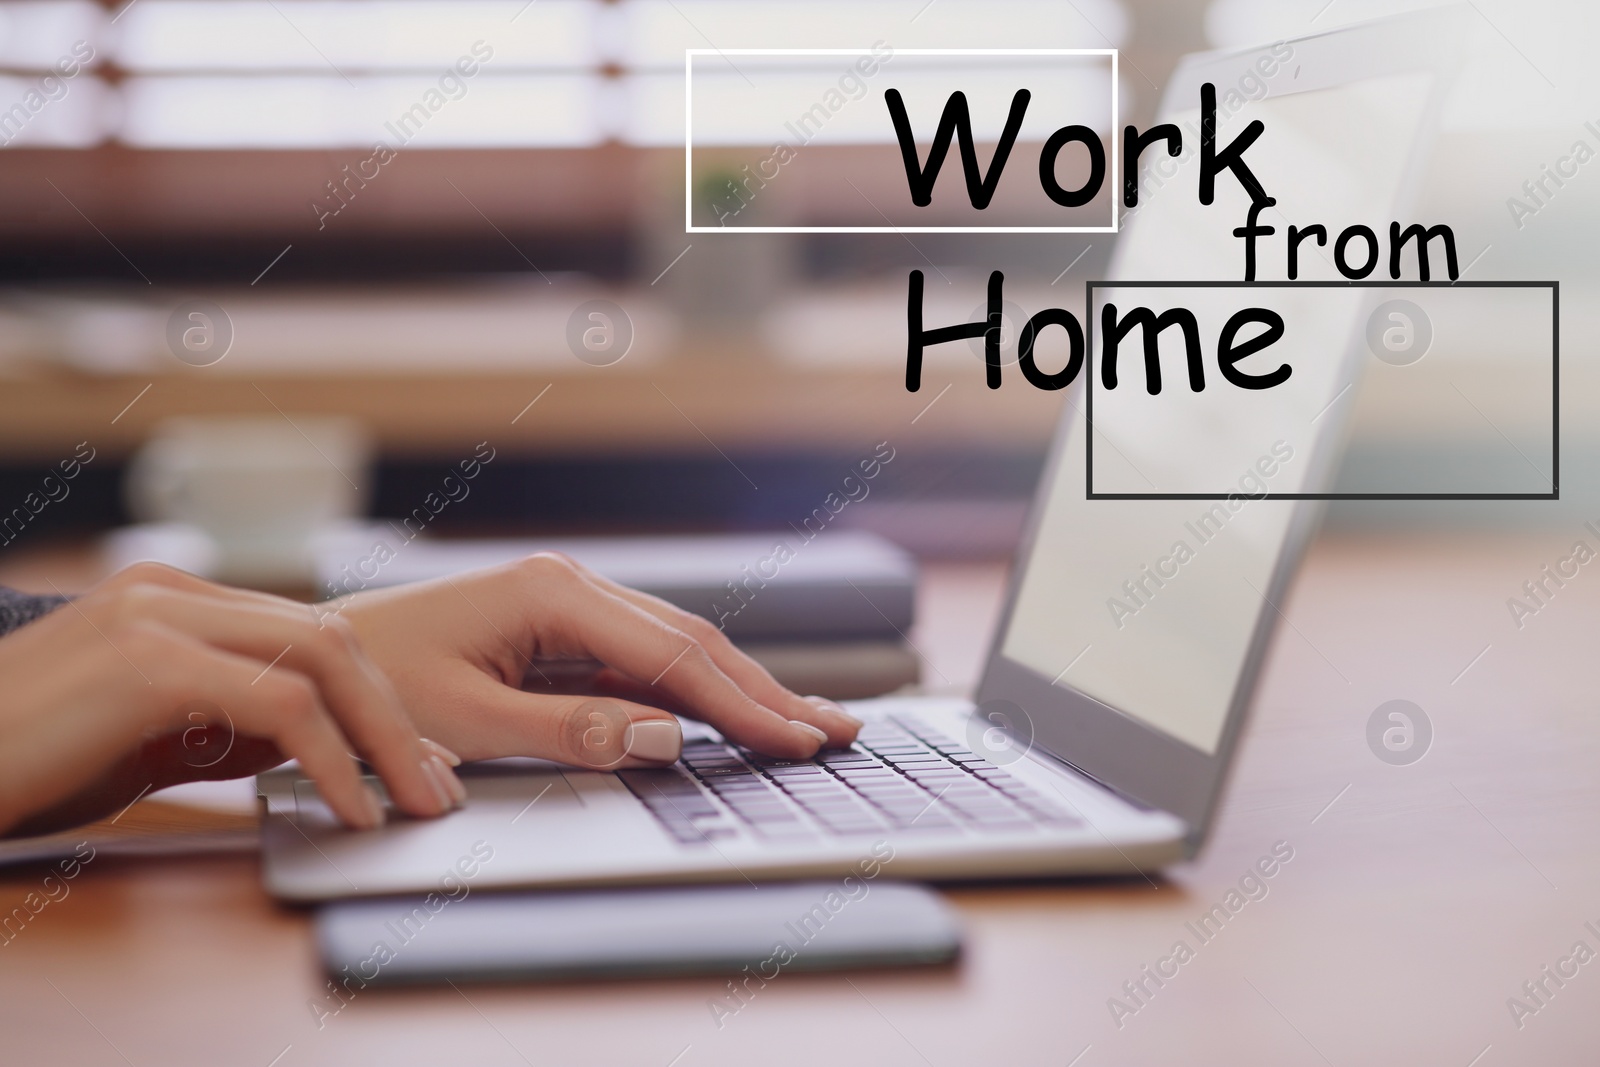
(1100, 736)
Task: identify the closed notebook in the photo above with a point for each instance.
(759, 588)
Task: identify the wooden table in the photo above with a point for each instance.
(1418, 900)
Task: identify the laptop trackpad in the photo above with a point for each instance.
(524, 786)
(531, 790)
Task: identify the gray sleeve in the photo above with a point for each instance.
(19, 609)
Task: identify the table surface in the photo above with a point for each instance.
(1418, 901)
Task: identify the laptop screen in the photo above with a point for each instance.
(1149, 606)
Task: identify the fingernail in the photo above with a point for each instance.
(654, 739)
(443, 753)
(375, 815)
(810, 731)
(430, 771)
(824, 704)
(447, 778)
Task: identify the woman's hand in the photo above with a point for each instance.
(459, 650)
(155, 677)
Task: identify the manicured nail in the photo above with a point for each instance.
(443, 753)
(375, 816)
(430, 771)
(654, 739)
(810, 731)
(447, 778)
(824, 704)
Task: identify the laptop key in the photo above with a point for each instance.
(830, 803)
(823, 792)
(659, 781)
(773, 818)
(766, 815)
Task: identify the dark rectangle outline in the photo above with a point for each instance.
(1555, 384)
(1117, 163)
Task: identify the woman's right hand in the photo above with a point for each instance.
(156, 677)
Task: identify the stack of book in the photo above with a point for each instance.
(827, 614)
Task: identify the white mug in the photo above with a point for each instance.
(261, 487)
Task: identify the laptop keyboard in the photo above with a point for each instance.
(899, 776)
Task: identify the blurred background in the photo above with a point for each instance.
(198, 224)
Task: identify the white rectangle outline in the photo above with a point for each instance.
(688, 139)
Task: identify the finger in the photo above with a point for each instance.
(592, 621)
(283, 707)
(599, 733)
(601, 681)
(443, 753)
(281, 637)
(750, 676)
